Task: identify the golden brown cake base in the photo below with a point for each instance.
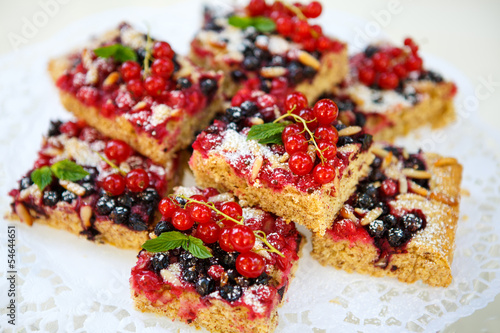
(315, 211)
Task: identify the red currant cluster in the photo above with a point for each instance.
(313, 128)
(161, 70)
(220, 221)
(387, 66)
(291, 22)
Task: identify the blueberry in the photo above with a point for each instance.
(232, 275)
(309, 72)
(396, 237)
(149, 196)
(90, 178)
(104, 205)
(159, 261)
(345, 105)
(345, 140)
(265, 86)
(242, 281)
(136, 223)
(189, 275)
(278, 61)
(389, 221)
(208, 86)
(205, 285)
(238, 76)
(163, 226)
(232, 126)
(181, 201)
(366, 141)
(248, 108)
(126, 200)
(25, 183)
(250, 63)
(229, 259)
(377, 175)
(89, 188)
(230, 293)
(54, 128)
(120, 215)
(414, 162)
(377, 162)
(368, 189)
(340, 126)
(295, 72)
(385, 208)
(376, 228)
(68, 196)
(263, 279)
(370, 51)
(50, 198)
(234, 114)
(184, 83)
(187, 259)
(412, 222)
(364, 201)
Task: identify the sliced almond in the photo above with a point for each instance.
(380, 152)
(139, 105)
(308, 60)
(351, 130)
(72, 187)
(111, 79)
(371, 216)
(270, 72)
(256, 121)
(23, 214)
(415, 188)
(360, 211)
(284, 158)
(405, 154)
(445, 161)
(257, 164)
(417, 174)
(403, 184)
(348, 213)
(441, 197)
(50, 151)
(86, 215)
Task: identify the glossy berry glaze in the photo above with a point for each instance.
(247, 50)
(166, 276)
(272, 164)
(383, 79)
(171, 90)
(394, 228)
(111, 195)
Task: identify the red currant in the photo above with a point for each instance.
(210, 192)
(114, 184)
(309, 44)
(308, 115)
(290, 130)
(284, 26)
(88, 95)
(326, 111)
(296, 101)
(411, 44)
(326, 134)
(366, 76)
(328, 149)
(413, 63)
(323, 173)
(242, 238)
(215, 272)
(232, 209)
(400, 71)
(250, 264)
(181, 219)
(200, 213)
(380, 61)
(300, 163)
(137, 180)
(277, 241)
(225, 240)
(344, 228)
(130, 70)
(70, 128)
(323, 43)
(208, 232)
(162, 50)
(167, 207)
(388, 80)
(117, 150)
(198, 197)
(295, 143)
(256, 7)
(162, 67)
(108, 109)
(302, 29)
(135, 87)
(155, 85)
(313, 9)
(389, 188)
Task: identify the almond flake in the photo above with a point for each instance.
(418, 189)
(403, 184)
(86, 215)
(23, 214)
(308, 60)
(351, 130)
(270, 72)
(72, 187)
(445, 161)
(417, 174)
(257, 164)
(380, 152)
(111, 79)
(371, 216)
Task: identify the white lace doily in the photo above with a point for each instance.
(69, 284)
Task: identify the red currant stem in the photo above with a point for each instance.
(240, 222)
(147, 57)
(304, 122)
(111, 164)
(296, 10)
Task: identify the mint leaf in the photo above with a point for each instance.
(197, 248)
(68, 170)
(119, 52)
(267, 133)
(165, 242)
(240, 21)
(264, 24)
(42, 177)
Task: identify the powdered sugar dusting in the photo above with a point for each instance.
(377, 101)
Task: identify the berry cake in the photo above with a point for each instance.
(274, 46)
(301, 166)
(138, 90)
(91, 185)
(229, 269)
(401, 221)
(389, 93)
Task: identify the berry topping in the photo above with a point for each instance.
(167, 207)
(182, 220)
(162, 50)
(326, 111)
(208, 232)
(117, 151)
(162, 67)
(114, 184)
(300, 163)
(250, 264)
(242, 238)
(137, 180)
(130, 70)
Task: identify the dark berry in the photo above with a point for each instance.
(208, 86)
(242, 281)
(229, 259)
(309, 72)
(263, 279)
(345, 140)
(163, 226)
(248, 108)
(184, 83)
(370, 51)
(189, 275)
(396, 237)
(265, 86)
(149, 196)
(295, 72)
(376, 228)
(377, 175)
(89, 188)
(412, 222)
(368, 189)
(432, 76)
(68, 196)
(230, 293)
(377, 162)
(366, 141)
(126, 200)
(54, 128)
(25, 183)
(205, 285)
(159, 261)
(360, 119)
(104, 205)
(50, 198)
(364, 201)
(385, 208)
(234, 114)
(389, 221)
(238, 76)
(181, 201)
(278, 61)
(413, 162)
(120, 215)
(187, 259)
(251, 63)
(135, 222)
(90, 178)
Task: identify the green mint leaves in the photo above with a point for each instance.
(119, 52)
(261, 23)
(64, 170)
(267, 133)
(174, 239)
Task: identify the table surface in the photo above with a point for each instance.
(464, 33)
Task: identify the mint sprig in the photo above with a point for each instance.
(261, 23)
(174, 239)
(64, 170)
(267, 133)
(119, 52)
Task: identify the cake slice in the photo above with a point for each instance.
(400, 222)
(389, 92)
(139, 91)
(229, 270)
(303, 174)
(274, 48)
(88, 184)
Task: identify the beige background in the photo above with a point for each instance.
(465, 33)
